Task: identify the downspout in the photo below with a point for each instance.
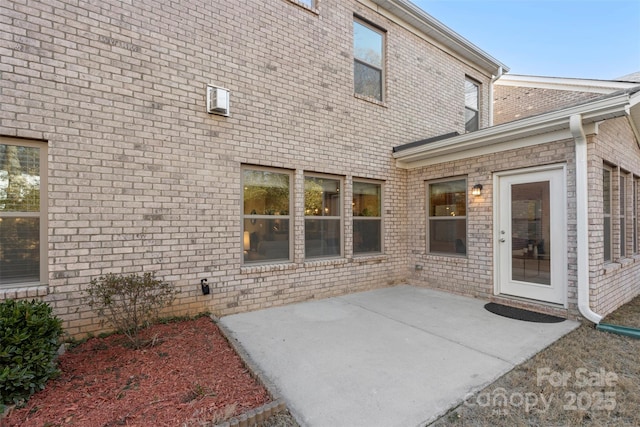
(493, 79)
(582, 199)
(582, 219)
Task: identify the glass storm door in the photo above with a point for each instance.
(531, 235)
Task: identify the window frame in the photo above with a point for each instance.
(607, 215)
(430, 218)
(382, 69)
(379, 218)
(340, 209)
(307, 4)
(622, 213)
(254, 217)
(476, 108)
(42, 214)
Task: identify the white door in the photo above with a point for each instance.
(531, 234)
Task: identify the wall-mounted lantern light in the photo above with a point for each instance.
(476, 190)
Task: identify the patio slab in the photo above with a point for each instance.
(398, 356)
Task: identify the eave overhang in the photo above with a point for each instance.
(603, 87)
(553, 126)
(439, 32)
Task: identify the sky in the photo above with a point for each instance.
(591, 39)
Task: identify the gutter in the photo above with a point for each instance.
(491, 84)
(591, 112)
(582, 220)
(436, 30)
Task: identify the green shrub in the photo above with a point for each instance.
(29, 336)
(130, 302)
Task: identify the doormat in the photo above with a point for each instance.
(520, 314)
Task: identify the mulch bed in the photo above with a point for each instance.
(190, 377)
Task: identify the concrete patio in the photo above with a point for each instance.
(398, 356)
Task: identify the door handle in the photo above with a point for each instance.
(502, 240)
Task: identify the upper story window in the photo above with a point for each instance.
(606, 207)
(471, 105)
(23, 231)
(367, 217)
(309, 3)
(322, 216)
(266, 211)
(447, 216)
(368, 59)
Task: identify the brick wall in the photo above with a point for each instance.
(473, 275)
(140, 178)
(513, 103)
(615, 283)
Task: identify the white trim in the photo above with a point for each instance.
(568, 84)
(42, 214)
(612, 107)
(557, 294)
(425, 26)
(582, 219)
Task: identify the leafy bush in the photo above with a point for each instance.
(29, 336)
(130, 302)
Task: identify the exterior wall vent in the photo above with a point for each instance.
(217, 100)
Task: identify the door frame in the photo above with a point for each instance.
(560, 247)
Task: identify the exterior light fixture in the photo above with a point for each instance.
(477, 190)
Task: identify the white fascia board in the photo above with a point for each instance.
(445, 156)
(560, 83)
(444, 36)
(532, 131)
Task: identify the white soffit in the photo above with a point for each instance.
(534, 130)
(560, 83)
(437, 31)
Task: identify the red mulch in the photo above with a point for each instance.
(191, 376)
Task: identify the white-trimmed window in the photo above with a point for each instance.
(606, 207)
(471, 105)
(23, 215)
(623, 214)
(322, 216)
(368, 60)
(447, 216)
(266, 214)
(367, 217)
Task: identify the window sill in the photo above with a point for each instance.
(369, 258)
(625, 261)
(447, 257)
(610, 267)
(23, 292)
(305, 6)
(265, 268)
(371, 100)
(323, 262)
(620, 263)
